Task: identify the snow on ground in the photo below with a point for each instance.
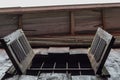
(112, 64)
(5, 63)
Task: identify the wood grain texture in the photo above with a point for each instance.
(112, 19)
(8, 23)
(72, 23)
(46, 23)
(87, 20)
(57, 22)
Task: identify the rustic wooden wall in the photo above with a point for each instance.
(87, 21)
(65, 22)
(62, 22)
(8, 23)
(112, 20)
(46, 23)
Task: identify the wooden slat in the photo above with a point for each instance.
(94, 44)
(87, 21)
(20, 25)
(8, 23)
(46, 23)
(58, 50)
(72, 23)
(112, 19)
(99, 50)
(52, 23)
(61, 69)
(103, 23)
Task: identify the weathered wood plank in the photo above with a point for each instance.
(46, 23)
(112, 20)
(103, 23)
(58, 50)
(20, 25)
(8, 23)
(87, 20)
(72, 23)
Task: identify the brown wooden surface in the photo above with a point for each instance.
(87, 21)
(20, 25)
(72, 23)
(46, 23)
(76, 20)
(112, 19)
(8, 23)
(103, 23)
(57, 22)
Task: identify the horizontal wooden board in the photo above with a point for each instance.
(8, 19)
(46, 23)
(8, 23)
(58, 50)
(112, 19)
(87, 20)
(58, 22)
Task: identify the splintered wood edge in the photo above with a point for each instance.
(59, 50)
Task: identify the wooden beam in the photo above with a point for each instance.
(20, 25)
(61, 69)
(72, 23)
(103, 18)
(53, 8)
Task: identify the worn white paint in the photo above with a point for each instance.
(28, 3)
